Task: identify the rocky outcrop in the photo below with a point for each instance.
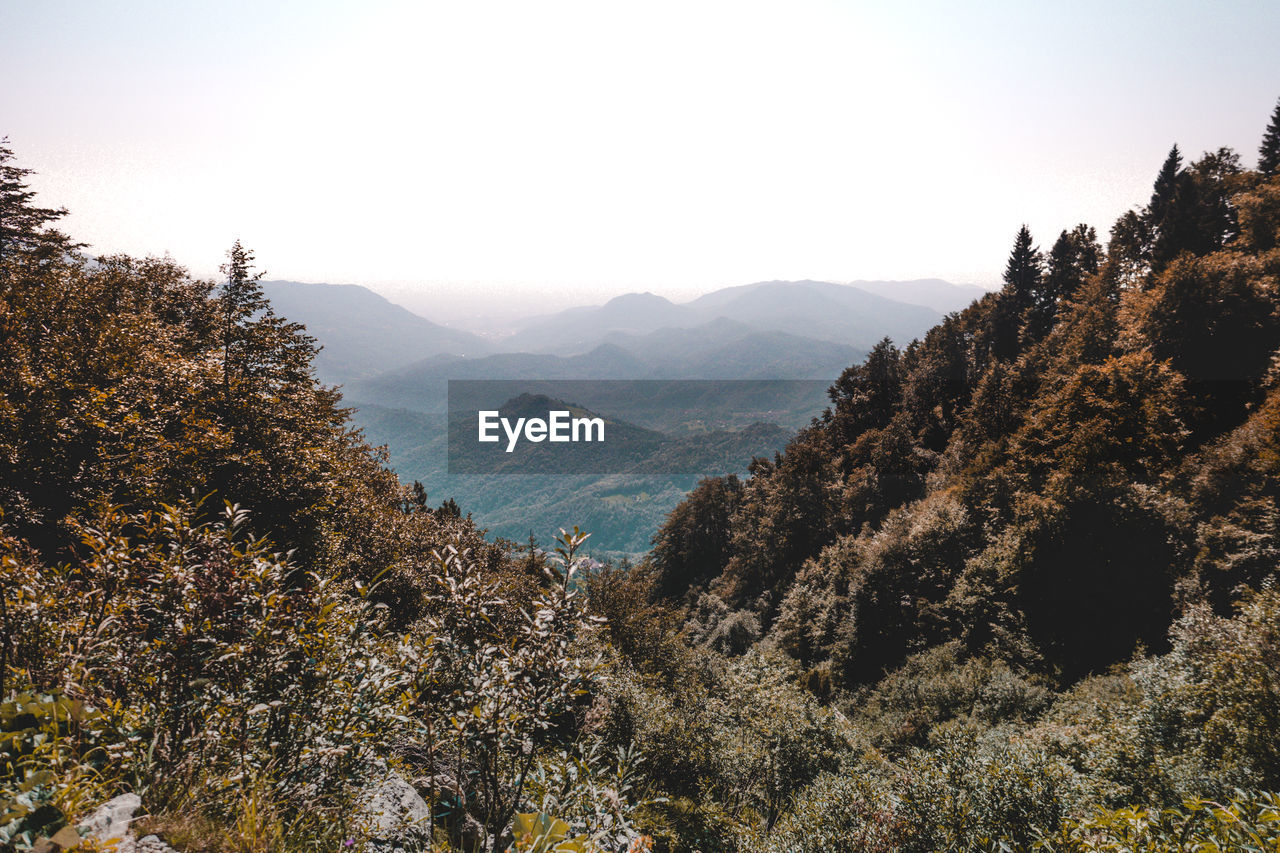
(396, 817)
(112, 822)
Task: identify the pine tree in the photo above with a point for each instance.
(1023, 271)
(23, 226)
(260, 351)
(1164, 193)
(1020, 299)
(240, 300)
(1173, 212)
(1269, 152)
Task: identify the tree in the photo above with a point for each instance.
(1075, 256)
(1214, 178)
(1129, 250)
(1020, 298)
(1023, 271)
(23, 226)
(1190, 209)
(1269, 151)
(693, 544)
(240, 301)
(1165, 191)
(1166, 211)
(867, 395)
(261, 353)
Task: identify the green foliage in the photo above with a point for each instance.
(942, 686)
(595, 793)
(220, 664)
(1211, 707)
(693, 544)
(1246, 822)
(501, 682)
(53, 750)
(974, 793)
(838, 813)
(542, 833)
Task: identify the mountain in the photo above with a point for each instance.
(362, 333)
(720, 350)
(579, 329)
(727, 349)
(942, 296)
(819, 309)
(423, 386)
(837, 313)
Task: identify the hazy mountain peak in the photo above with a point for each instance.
(638, 299)
(364, 333)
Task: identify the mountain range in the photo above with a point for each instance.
(798, 329)
(850, 315)
(394, 367)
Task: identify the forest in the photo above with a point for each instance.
(1014, 590)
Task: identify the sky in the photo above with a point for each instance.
(494, 156)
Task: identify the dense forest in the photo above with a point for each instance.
(1014, 590)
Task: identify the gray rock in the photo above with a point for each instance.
(111, 820)
(396, 817)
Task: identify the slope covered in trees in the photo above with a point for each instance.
(1032, 478)
(1075, 472)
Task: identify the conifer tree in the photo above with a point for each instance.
(1074, 257)
(258, 347)
(1018, 299)
(1165, 191)
(23, 226)
(1023, 271)
(240, 301)
(1269, 152)
(1173, 211)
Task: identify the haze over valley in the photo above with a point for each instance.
(394, 367)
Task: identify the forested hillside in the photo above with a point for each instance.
(1015, 590)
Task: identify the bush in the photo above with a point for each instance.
(51, 766)
(941, 685)
(836, 814)
(225, 669)
(1245, 822)
(974, 793)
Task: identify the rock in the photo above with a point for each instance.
(152, 844)
(111, 820)
(397, 818)
(111, 823)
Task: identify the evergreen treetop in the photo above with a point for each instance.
(1269, 151)
(24, 226)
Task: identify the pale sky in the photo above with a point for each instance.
(557, 150)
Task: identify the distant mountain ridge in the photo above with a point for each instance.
(857, 314)
(362, 333)
(795, 329)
